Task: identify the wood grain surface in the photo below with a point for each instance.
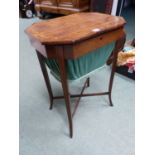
(73, 28)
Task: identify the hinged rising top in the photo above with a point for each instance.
(73, 28)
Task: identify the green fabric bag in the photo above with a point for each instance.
(83, 65)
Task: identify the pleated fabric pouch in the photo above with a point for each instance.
(84, 65)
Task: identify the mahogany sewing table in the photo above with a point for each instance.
(71, 37)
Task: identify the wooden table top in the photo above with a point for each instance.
(73, 28)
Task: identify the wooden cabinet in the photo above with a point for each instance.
(103, 6)
(62, 6)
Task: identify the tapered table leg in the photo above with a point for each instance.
(63, 75)
(46, 78)
(88, 81)
(118, 46)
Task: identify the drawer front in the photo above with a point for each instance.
(67, 3)
(79, 49)
(48, 2)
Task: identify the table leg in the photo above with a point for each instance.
(63, 75)
(88, 81)
(118, 46)
(46, 78)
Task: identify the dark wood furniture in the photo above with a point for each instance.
(62, 6)
(103, 6)
(71, 37)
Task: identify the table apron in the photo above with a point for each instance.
(79, 49)
(73, 51)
